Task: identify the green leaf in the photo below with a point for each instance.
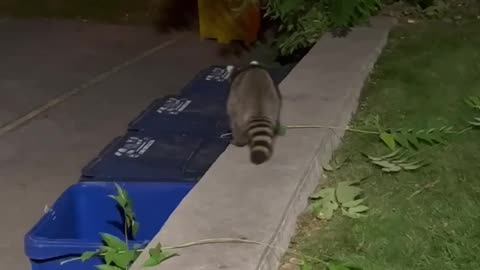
(413, 166)
(358, 209)
(104, 249)
(135, 228)
(353, 203)
(108, 256)
(473, 101)
(402, 140)
(323, 209)
(392, 169)
(121, 202)
(157, 256)
(422, 135)
(108, 267)
(87, 255)
(389, 140)
(114, 242)
(124, 259)
(328, 167)
(281, 130)
(121, 193)
(390, 155)
(353, 215)
(347, 193)
(326, 193)
(384, 164)
(151, 262)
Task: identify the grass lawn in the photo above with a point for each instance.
(429, 218)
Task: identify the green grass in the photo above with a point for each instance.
(116, 11)
(419, 82)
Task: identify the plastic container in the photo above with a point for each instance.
(183, 115)
(212, 83)
(225, 22)
(73, 224)
(146, 157)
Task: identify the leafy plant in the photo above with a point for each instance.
(397, 160)
(411, 139)
(346, 196)
(474, 102)
(335, 164)
(124, 202)
(475, 122)
(116, 252)
(157, 256)
(303, 22)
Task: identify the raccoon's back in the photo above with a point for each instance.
(254, 94)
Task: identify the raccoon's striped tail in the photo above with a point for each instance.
(260, 132)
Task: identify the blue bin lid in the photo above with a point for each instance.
(212, 82)
(84, 210)
(183, 114)
(140, 156)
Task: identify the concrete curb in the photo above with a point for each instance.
(235, 199)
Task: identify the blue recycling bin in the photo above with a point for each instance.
(183, 114)
(199, 109)
(84, 210)
(212, 82)
(158, 157)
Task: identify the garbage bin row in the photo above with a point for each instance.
(163, 154)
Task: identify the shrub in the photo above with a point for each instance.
(302, 22)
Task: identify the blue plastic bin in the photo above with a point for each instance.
(212, 82)
(84, 210)
(145, 157)
(184, 115)
(200, 109)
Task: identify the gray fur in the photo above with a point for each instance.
(253, 95)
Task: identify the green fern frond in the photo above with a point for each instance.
(474, 102)
(397, 161)
(412, 139)
(475, 122)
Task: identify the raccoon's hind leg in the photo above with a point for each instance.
(239, 135)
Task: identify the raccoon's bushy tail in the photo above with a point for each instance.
(260, 132)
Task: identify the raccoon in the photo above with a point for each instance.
(254, 106)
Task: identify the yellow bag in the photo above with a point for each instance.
(218, 20)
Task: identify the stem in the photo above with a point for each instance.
(125, 228)
(220, 241)
(465, 130)
(333, 127)
(70, 260)
(244, 241)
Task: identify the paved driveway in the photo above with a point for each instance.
(67, 89)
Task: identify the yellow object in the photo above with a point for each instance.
(219, 20)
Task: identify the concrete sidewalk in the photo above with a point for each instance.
(112, 74)
(236, 199)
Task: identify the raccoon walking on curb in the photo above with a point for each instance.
(254, 106)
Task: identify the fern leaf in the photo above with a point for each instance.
(476, 122)
(474, 102)
(385, 157)
(411, 139)
(397, 161)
